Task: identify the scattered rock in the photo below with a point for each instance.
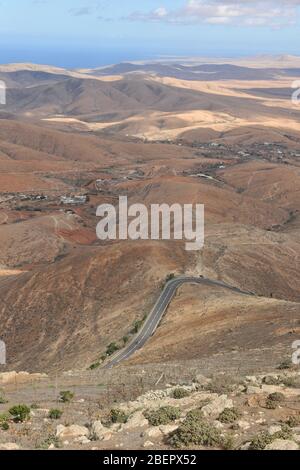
(281, 444)
(253, 401)
(274, 429)
(40, 413)
(201, 380)
(19, 377)
(137, 420)
(82, 440)
(253, 390)
(99, 432)
(153, 432)
(296, 438)
(168, 428)
(217, 406)
(244, 425)
(71, 432)
(245, 446)
(9, 446)
(252, 379)
(148, 444)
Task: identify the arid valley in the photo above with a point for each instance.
(223, 133)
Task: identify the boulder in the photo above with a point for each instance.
(82, 440)
(40, 413)
(148, 444)
(253, 390)
(153, 432)
(9, 446)
(71, 432)
(217, 406)
(168, 428)
(274, 429)
(244, 425)
(100, 432)
(19, 377)
(201, 380)
(282, 444)
(137, 420)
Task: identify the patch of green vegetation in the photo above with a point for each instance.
(2, 399)
(112, 348)
(52, 440)
(4, 422)
(195, 414)
(34, 406)
(286, 364)
(223, 384)
(170, 277)
(285, 433)
(204, 402)
(270, 380)
(293, 421)
(125, 340)
(228, 443)
(196, 431)
(94, 366)
(162, 416)
(20, 413)
(180, 393)
(273, 400)
(229, 415)
(55, 414)
(118, 416)
(291, 382)
(261, 441)
(66, 396)
(138, 325)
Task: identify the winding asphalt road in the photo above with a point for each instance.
(158, 311)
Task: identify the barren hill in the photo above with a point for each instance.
(222, 134)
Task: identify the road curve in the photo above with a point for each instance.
(158, 311)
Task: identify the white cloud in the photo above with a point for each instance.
(227, 12)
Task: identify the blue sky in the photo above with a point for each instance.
(77, 33)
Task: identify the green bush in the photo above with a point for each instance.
(55, 414)
(222, 384)
(125, 340)
(270, 380)
(180, 393)
(285, 365)
(260, 441)
(228, 443)
(285, 433)
(94, 366)
(51, 440)
(229, 415)
(20, 413)
(293, 421)
(111, 349)
(66, 396)
(2, 399)
(162, 416)
(170, 277)
(273, 400)
(195, 431)
(118, 416)
(291, 382)
(138, 325)
(263, 439)
(4, 426)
